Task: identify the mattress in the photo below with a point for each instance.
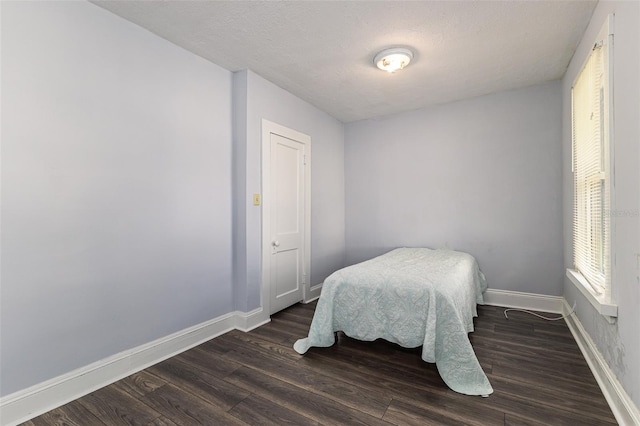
(413, 297)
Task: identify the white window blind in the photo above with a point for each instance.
(590, 168)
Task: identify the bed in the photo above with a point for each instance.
(413, 297)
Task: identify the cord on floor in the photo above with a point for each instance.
(538, 315)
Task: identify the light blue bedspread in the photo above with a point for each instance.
(412, 297)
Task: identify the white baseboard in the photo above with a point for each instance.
(42, 397)
(313, 293)
(247, 321)
(622, 406)
(38, 399)
(311, 300)
(516, 299)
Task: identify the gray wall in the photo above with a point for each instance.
(619, 343)
(120, 223)
(116, 189)
(118, 171)
(481, 175)
(254, 99)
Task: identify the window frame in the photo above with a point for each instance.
(602, 301)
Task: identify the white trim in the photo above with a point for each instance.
(269, 127)
(516, 299)
(31, 402)
(621, 405)
(313, 293)
(607, 309)
(28, 403)
(610, 152)
(604, 303)
(247, 321)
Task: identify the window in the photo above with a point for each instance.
(591, 138)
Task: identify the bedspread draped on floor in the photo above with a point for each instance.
(412, 297)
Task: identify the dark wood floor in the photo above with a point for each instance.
(535, 367)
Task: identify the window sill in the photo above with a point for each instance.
(604, 307)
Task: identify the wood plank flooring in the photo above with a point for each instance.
(537, 371)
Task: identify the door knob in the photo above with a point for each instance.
(276, 243)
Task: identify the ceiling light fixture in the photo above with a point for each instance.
(393, 59)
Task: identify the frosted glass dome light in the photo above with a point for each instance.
(393, 59)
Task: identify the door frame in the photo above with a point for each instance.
(269, 127)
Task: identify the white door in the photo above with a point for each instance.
(286, 198)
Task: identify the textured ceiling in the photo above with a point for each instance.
(322, 51)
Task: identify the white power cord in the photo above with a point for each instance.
(538, 315)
